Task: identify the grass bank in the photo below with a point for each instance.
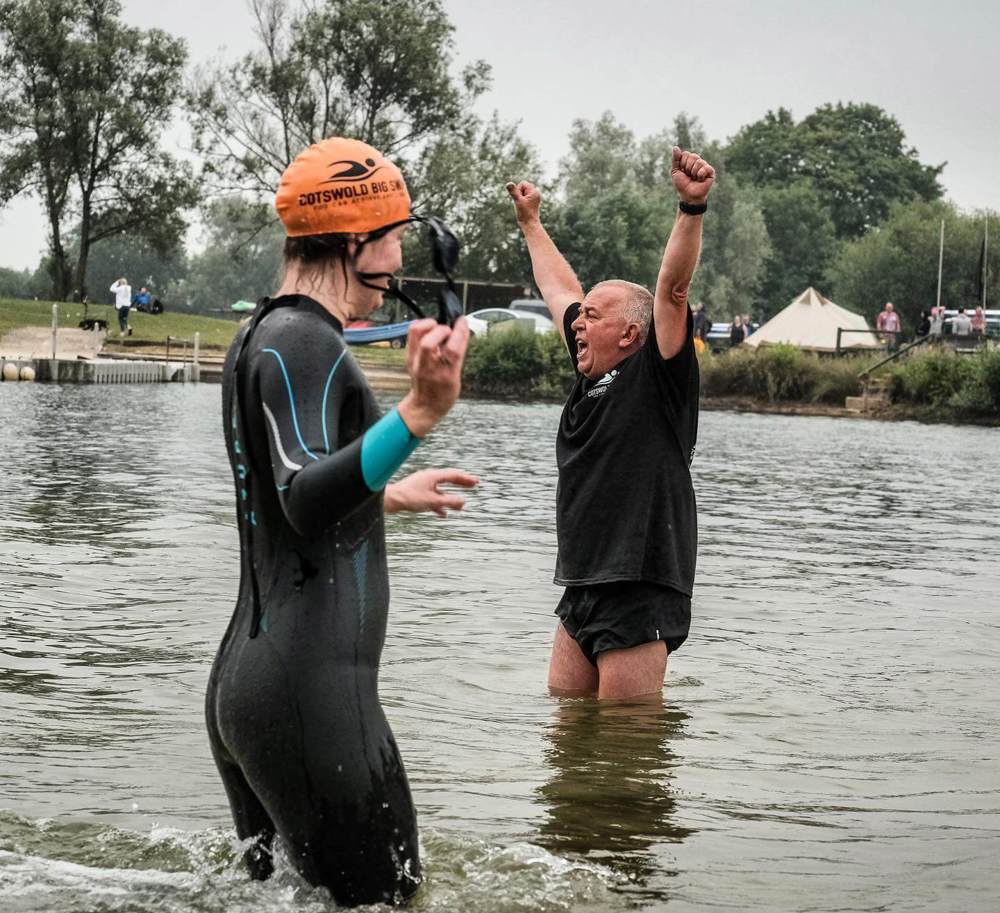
(931, 386)
(782, 373)
(517, 366)
(147, 329)
(150, 330)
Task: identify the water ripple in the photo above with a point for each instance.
(828, 731)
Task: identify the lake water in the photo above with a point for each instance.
(827, 738)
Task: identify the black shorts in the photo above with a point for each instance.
(625, 613)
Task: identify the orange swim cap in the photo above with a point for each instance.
(341, 185)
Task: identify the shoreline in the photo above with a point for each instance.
(883, 412)
(389, 378)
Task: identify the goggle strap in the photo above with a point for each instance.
(368, 280)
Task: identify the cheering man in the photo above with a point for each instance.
(625, 508)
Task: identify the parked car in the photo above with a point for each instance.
(530, 306)
(482, 321)
(717, 339)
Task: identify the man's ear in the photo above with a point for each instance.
(630, 336)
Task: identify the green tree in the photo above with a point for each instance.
(735, 246)
(611, 218)
(376, 70)
(143, 265)
(803, 243)
(21, 284)
(461, 178)
(240, 260)
(619, 204)
(855, 155)
(899, 261)
(82, 100)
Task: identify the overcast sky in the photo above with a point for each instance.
(932, 65)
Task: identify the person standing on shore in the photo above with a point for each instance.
(888, 324)
(937, 323)
(736, 332)
(294, 719)
(626, 519)
(123, 302)
(961, 324)
(978, 322)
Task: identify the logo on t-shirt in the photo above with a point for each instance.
(602, 385)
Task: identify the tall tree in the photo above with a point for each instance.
(735, 246)
(855, 155)
(461, 177)
(83, 98)
(20, 284)
(239, 260)
(615, 202)
(618, 205)
(130, 256)
(376, 70)
(803, 244)
(898, 263)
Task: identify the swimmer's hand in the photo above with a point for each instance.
(527, 201)
(434, 357)
(421, 491)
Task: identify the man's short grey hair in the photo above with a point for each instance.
(637, 304)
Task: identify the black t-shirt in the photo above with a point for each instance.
(625, 506)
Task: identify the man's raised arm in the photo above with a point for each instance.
(553, 275)
(693, 178)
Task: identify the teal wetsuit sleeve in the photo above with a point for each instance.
(384, 448)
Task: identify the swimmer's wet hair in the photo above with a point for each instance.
(315, 254)
(637, 307)
(316, 249)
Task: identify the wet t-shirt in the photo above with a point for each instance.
(625, 505)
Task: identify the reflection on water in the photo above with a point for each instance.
(610, 795)
(828, 734)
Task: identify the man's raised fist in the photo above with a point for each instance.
(693, 177)
(527, 201)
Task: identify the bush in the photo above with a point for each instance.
(988, 378)
(728, 374)
(962, 384)
(781, 372)
(518, 365)
(930, 378)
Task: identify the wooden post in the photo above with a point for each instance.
(55, 328)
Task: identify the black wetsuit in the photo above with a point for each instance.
(293, 712)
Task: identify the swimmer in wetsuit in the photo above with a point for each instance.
(293, 713)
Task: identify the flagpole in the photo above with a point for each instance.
(986, 256)
(940, 266)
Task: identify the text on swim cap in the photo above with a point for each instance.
(349, 192)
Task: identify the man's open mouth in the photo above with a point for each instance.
(581, 346)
